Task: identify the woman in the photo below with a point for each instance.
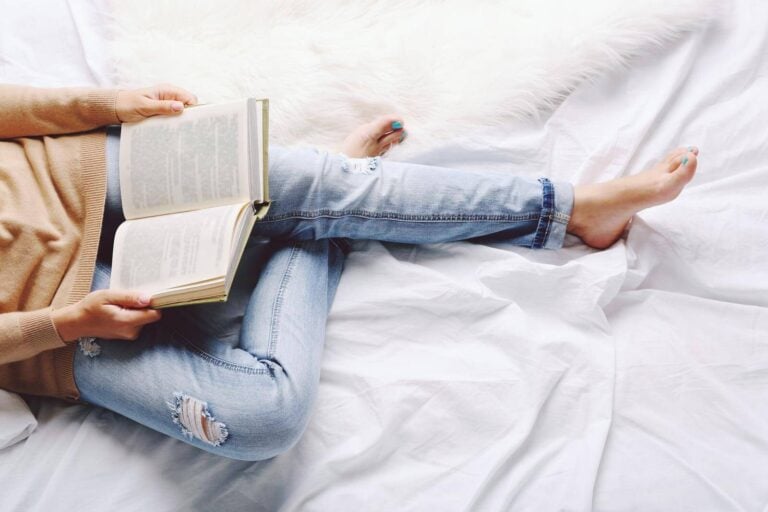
(239, 378)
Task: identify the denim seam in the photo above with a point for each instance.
(549, 230)
(551, 215)
(546, 215)
(220, 362)
(278, 304)
(307, 215)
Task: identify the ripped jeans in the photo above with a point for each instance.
(239, 379)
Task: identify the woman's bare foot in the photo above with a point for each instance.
(374, 138)
(602, 211)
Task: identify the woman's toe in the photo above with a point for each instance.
(373, 138)
(675, 154)
(684, 166)
(395, 137)
(385, 125)
(674, 159)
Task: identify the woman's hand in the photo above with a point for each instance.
(138, 104)
(105, 314)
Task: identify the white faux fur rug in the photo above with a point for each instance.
(446, 66)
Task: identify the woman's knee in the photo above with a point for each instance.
(311, 179)
(296, 171)
(255, 426)
(270, 431)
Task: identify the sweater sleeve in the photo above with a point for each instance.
(32, 111)
(25, 334)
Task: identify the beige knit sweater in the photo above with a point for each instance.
(52, 191)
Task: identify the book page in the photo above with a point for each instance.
(158, 253)
(196, 160)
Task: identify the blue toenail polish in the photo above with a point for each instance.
(685, 160)
(396, 125)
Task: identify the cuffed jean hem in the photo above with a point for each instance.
(557, 204)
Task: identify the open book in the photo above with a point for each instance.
(192, 188)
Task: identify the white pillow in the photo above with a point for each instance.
(16, 420)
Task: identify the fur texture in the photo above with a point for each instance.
(445, 66)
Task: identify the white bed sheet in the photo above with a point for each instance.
(471, 377)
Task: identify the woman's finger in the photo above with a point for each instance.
(154, 107)
(129, 299)
(138, 316)
(172, 92)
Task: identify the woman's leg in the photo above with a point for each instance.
(322, 195)
(237, 379)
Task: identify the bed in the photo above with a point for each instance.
(467, 377)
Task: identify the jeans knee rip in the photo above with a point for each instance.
(195, 421)
(89, 347)
(365, 165)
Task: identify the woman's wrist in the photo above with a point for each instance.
(67, 323)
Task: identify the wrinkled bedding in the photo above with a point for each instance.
(489, 377)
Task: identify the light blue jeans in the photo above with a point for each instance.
(239, 379)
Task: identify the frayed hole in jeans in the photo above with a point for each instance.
(366, 165)
(88, 346)
(195, 421)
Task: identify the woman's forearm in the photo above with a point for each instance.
(26, 334)
(33, 111)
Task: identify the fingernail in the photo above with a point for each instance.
(685, 160)
(396, 125)
(177, 106)
(144, 299)
(403, 135)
